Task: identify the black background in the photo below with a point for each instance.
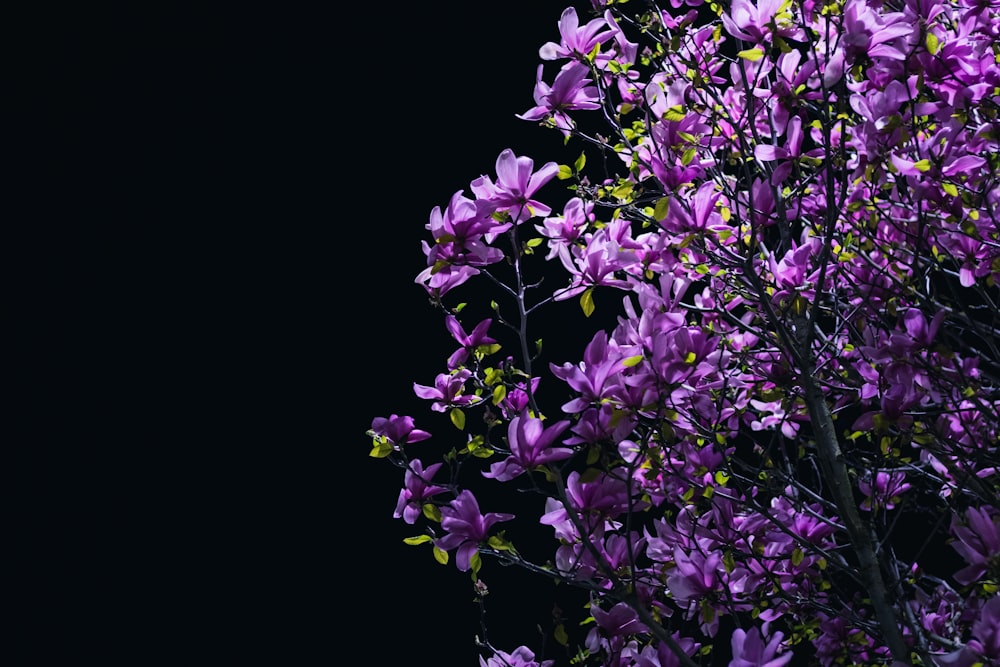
(233, 202)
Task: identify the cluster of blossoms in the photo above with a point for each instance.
(796, 202)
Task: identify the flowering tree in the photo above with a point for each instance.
(795, 205)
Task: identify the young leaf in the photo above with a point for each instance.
(587, 302)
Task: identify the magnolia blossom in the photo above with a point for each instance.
(571, 90)
(577, 40)
(466, 527)
(883, 490)
(417, 490)
(469, 341)
(530, 445)
(522, 656)
(516, 185)
(447, 391)
(977, 540)
(611, 626)
(751, 649)
(399, 430)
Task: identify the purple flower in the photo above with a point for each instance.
(985, 641)
(868, 33)
(466, 528)
(440, 278)
(596, 264)
(977, 540)
(752, 21)
(569, 91)
(986, 630)
(516, 399)
(521, 657)
(595, 377)
(459, 246)
(919, 333)
(884, 491)
(447, 391)
(605, 497)
(469, 342)
(695, 575)
(576, 41)
(530, 446)
(750, 649)
(416, 490)
(786, 155)
(464, 219)
(516, 185)
(397, 430)
(564, 230)
(619, 621)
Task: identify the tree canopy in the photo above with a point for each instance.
(780, 441)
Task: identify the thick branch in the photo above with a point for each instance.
(832, 460)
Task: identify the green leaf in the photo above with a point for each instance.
(560, 635)
(457, 418)
(487, 350)
(587, 302)
(581, 162)
(417, 539)
(499, 393)
(381, 448)
(624, 191)
(483, 452)
(441, 556)
(661, 209)
(707, 612)
(932, 43)
(629, 362)
(675, 114)
(565, 172)
(753, 55)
